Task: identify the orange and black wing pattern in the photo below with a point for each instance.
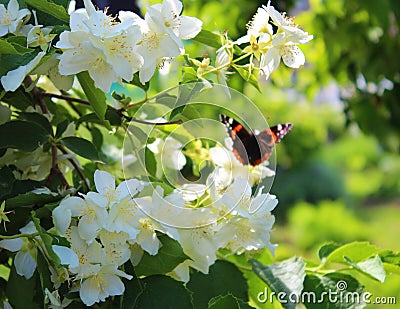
(250, 148)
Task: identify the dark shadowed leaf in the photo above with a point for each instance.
(332, 291)
(168, 257)
(228, 301)
(81, 147)
(23, 135)
(223, 278)
(163, 292)
(327, 249)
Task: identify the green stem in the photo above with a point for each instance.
(223, 257)
(18, 236)
(146, 99)
(225, 65)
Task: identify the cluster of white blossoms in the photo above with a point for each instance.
(116, 224)
(113, 50)
(12, 18)
(267, 47)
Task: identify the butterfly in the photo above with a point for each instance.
(253, 147)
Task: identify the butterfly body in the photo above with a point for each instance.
(253, 147)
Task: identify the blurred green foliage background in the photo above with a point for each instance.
(338, 176)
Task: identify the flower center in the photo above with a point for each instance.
(151, 40)
(6, 19)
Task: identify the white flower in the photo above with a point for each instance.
(257, 26)
(123, 217)
(229, 168)
(91, 211)
(12, 18)
(286, 25)
(14, 78)
(167, 15)
(284, 44)
(105, 185)
(181, 272)
(200, 242)
(25, 259)
(154, 45)
(67, 256)
(116, 248)
(101, 46)
(250, 222)
(106, 282)
(168, 153)
(89, 255)
(40, 36)
(191, 192)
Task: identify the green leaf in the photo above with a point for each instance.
(97, 137)
(327, 249)
(247, 76)
(208, 38)
(391, 268)
(185, 94)
(133, 288)
(372, 267)
(191, 112)
(61, 127)
(389, 256)
(7, 48)
(17, 286)
(96, 97)
(7, 179)
(223, 278)
(227, 301)
(163, 292)
(11, 62)
(81, 147)
(332, 291)
(38, 119)
(168, 257)
(44, 272)
(356, 251)
(20, 99)
(113, 116)
(55, 10)
(286, 277)
(23, 135)
(150, 162)
(46, 239)
(189, 75)
(136, 81)
(39, 196)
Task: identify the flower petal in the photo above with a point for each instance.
(24, 264)
(12, 245)
(104, 181)
(67, 256)
(293, 57)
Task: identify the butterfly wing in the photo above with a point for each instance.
(240, 138)
(250, 148)
(268, 138)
